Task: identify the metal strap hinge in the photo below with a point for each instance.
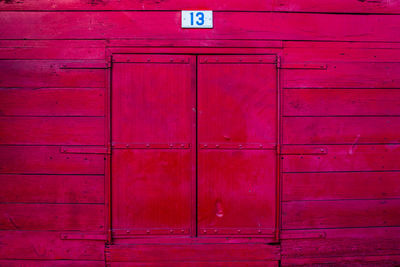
(83, 236)
(303, 150)
(314, 66)
(85, 65)
(84, 150)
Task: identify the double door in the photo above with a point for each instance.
(194, 145)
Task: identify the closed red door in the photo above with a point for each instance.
(194, 145)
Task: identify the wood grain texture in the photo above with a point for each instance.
(50, 263)
(340, 213)
(141, 190)
(342, 205)
(52, 188)
(335, 6)
(52, 49)
(47, 160)
(341, 102)
(52, 130)
(52, 101)
(254, 25)
(35, 245)
(345, 75)
(367, 261)
(346, 158)
(198, 263)
(343, 242)
(341, 130)
(43, 73)
(340, 185)
(193, 252)
(82, 217)
(340, 52)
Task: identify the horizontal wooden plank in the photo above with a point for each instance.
(52, 188)
(52, 101)
(346, 158)
(193, 252)
(52, 130)
(188, 45)
(340, 213)
(52, 49)
(83, 217)
(341, 6)
(197, 264)
(341, 130)
(329, 186)
(366, 261)
(47, 245)
(48, 160)
(341, 54)
(227, 25)
(50, 263)
(85, 150)
(345, 75)
(341, 45)
(344, 242)
(47, 73)
(341, 102)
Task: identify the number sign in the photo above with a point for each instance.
(197, 19)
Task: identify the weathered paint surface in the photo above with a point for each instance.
(271, 139)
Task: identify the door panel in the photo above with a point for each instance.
(236, 100)
(236, 191)
(237, 135)
(152, 189)
(152, 101)
(153, 129)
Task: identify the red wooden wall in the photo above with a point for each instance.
(340, 80)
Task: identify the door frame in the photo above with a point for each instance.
(222, 47)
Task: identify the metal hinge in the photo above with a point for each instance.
(314, 66)
(85, 150)
(83, 236)
(303, 150)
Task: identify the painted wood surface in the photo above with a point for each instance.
(52, 102)
(194, 252)
(47, 245)
(341, 130)
(340, 213)
(341, 102)
(52, 130)
(372, 261)
(52, 49)
(343, 242)
(340, 186)
(50, 188)
(255, 25)
(346, 158)
(41, 263)
(332, 6)
(41, 73)
(339, 77)
(84, 217)
(47, 160)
